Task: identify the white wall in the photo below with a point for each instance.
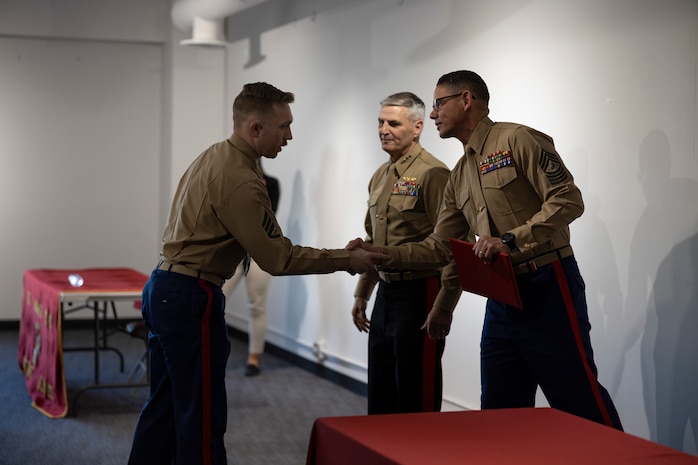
(80, 137)
(614, 82)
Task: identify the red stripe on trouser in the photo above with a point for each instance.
(206, 375)
(572, 315)
(429, 353)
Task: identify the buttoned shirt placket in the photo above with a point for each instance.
(380, 230)
(482, 218)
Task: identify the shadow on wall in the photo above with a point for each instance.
(662, 305)
(481, 17)
(593, 250)
(297, 301)
(670, 343)
(253, 22)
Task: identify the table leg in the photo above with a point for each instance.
(100, 311)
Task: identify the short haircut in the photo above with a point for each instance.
(459, 81)
(414, 105)
(258, 97)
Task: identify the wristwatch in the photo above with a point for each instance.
(509, 240)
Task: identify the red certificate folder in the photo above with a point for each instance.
(496, 281)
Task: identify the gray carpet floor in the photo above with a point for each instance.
(270, 416)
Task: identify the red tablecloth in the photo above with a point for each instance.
(40, 340)
(537, 436)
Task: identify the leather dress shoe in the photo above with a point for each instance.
(252, 370)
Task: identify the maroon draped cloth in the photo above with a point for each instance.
(541, 436)
(40, 353)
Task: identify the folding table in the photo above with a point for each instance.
(48, 296)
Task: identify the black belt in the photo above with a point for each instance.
(542, 260)
(181, 269)
(394, 276)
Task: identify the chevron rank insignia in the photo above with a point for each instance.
(552, 167)
(270, 226)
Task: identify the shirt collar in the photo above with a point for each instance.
(246, 149)
(407, 159)
(479, 136)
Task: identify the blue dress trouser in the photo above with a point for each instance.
(184, 419)
(546, 344)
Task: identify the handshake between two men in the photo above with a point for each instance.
(363, 257)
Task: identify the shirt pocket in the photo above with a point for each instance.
(373, 203)
(464, 201)
(373, 199)
(505, 192)
(406, 203)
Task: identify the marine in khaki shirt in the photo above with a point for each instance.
(404, 198)
(404, 201)
(221, 212)
(533, 196)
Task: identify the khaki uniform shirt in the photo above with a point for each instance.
(221, 211)
(509, 179)
(403, 204)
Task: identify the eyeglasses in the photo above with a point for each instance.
(438, 102)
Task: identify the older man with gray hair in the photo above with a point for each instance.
(404, 198)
